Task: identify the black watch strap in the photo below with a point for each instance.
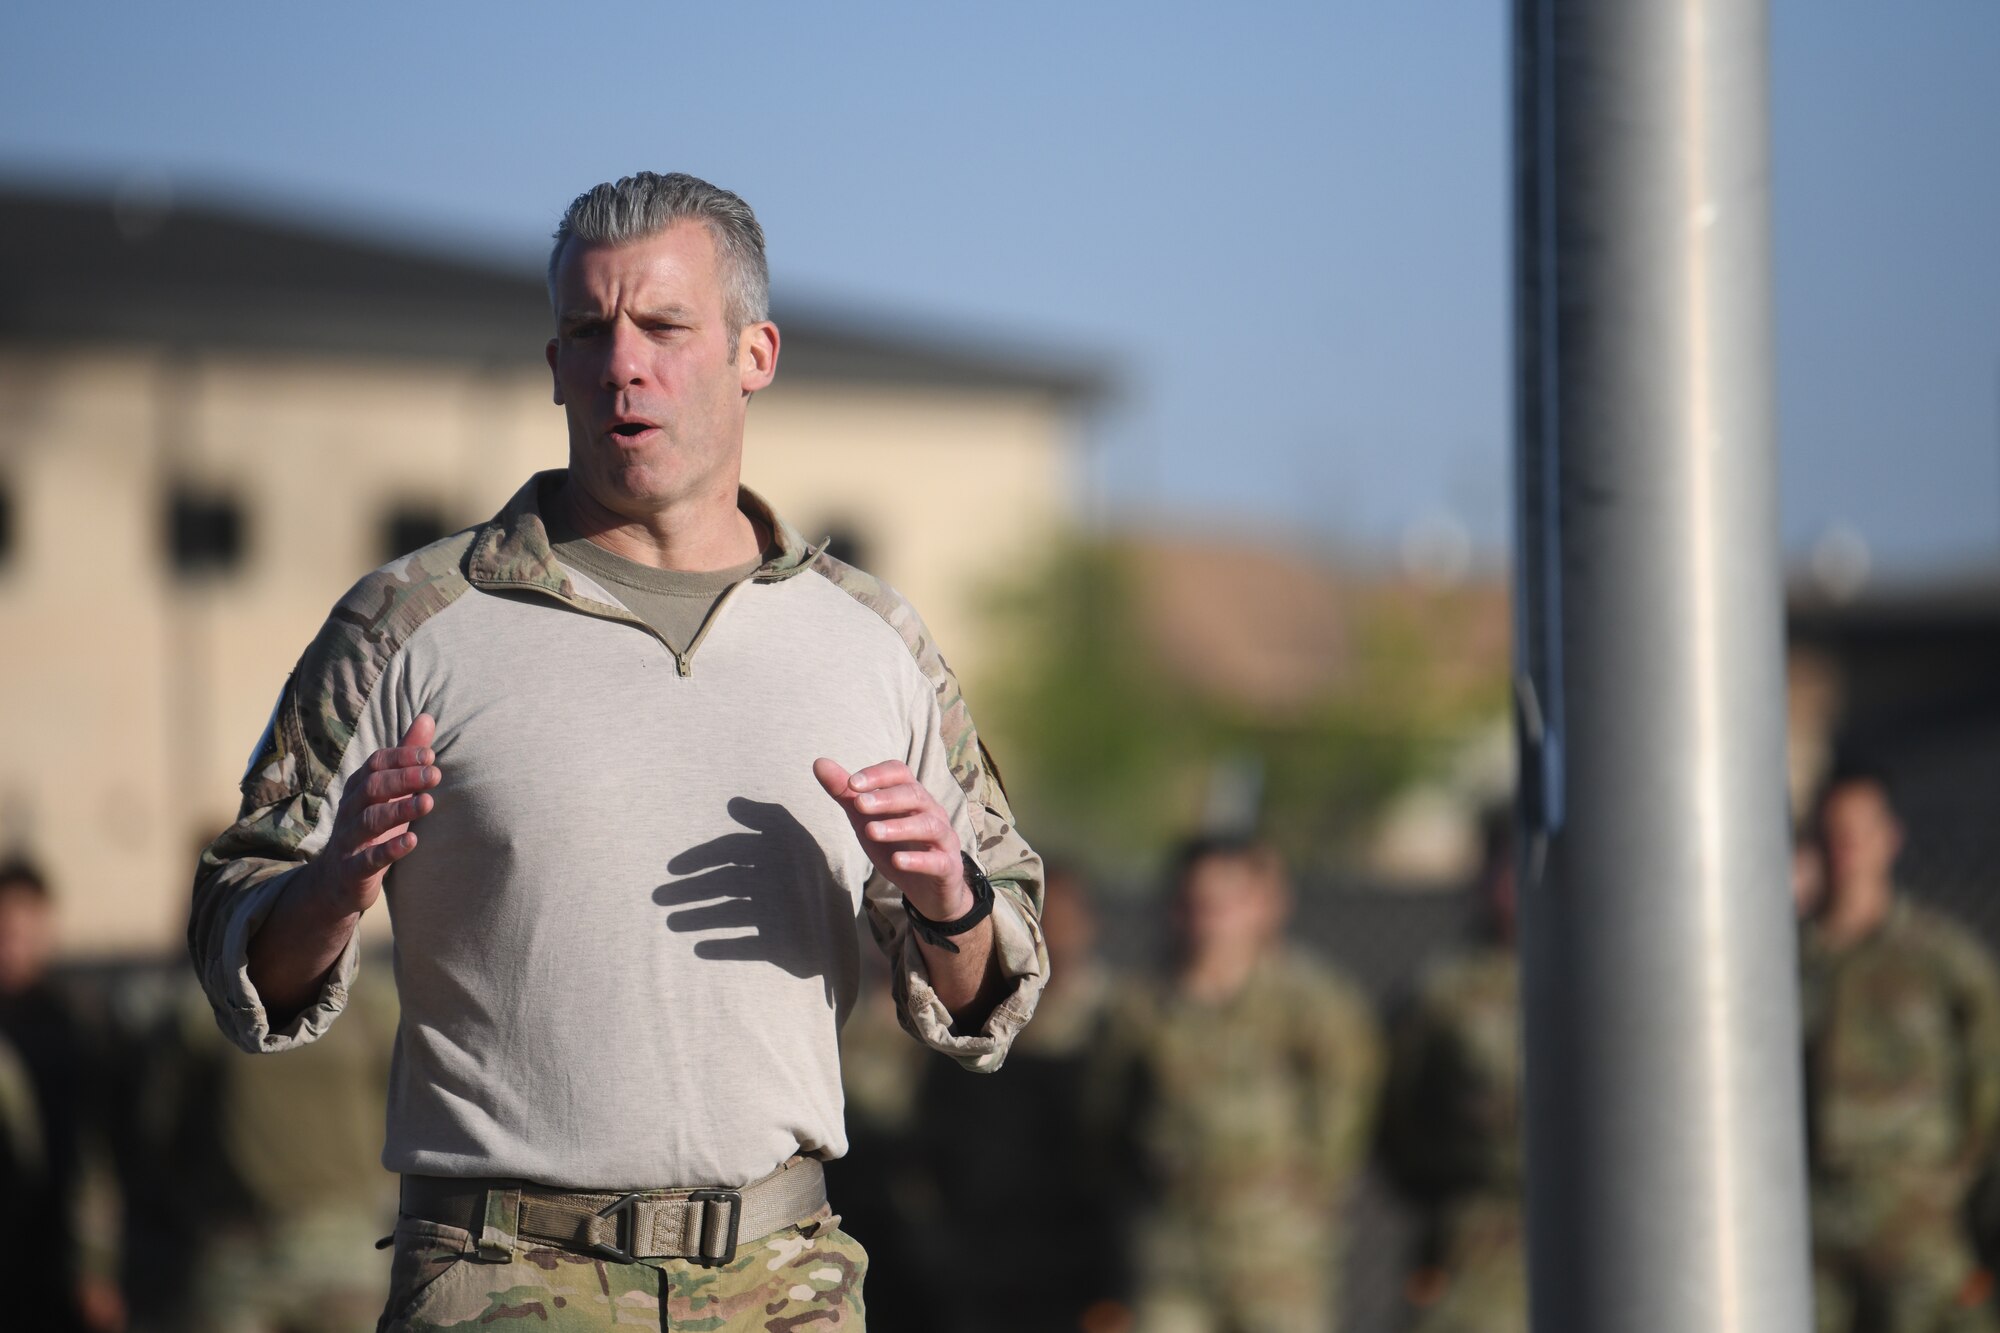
(939, 933)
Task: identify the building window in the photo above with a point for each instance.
(204, 531)
(408, 527)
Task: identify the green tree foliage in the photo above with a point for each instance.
(1110, 753)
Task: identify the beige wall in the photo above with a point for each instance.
(950, 491)
(130, 697)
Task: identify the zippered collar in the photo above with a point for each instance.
(512, 549)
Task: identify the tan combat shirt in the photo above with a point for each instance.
(626, 941)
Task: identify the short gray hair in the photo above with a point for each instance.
(646, 203)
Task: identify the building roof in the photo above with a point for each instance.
(1277, 630)
(108, 266)
(1962, 607)
(1915, 663)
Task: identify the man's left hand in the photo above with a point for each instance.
(905, 832)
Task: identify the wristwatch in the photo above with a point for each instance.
(939, 933)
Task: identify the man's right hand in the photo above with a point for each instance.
(371, 830)
(314, 918)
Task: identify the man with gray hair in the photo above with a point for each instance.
(626, 762)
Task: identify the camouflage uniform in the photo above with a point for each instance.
(1250, 1117)
(1903, 1094)
(299, 1139)
(806, 1277)
(1451, 1121)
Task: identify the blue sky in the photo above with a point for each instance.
(1284, 224)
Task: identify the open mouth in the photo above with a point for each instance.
(631, 430)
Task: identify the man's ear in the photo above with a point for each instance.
(757, 355)
(550, 352)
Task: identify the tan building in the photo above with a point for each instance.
(212, 424)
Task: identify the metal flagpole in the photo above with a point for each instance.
(1665, 1135)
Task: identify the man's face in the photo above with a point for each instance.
(1228, 904)
(1067, 923)
(27, 937)
(644, 371)
(1860, 837)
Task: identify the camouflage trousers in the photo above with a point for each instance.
(317, 1272)
(1268, 1271)
(1896, 1261)
(803, 1279)
(1480, 1284)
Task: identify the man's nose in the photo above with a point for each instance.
(624, 364)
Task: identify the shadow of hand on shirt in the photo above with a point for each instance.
(772, 881)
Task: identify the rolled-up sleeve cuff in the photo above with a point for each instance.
(1023, 957)
(243, 1017)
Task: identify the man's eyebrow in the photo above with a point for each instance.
(569, 319)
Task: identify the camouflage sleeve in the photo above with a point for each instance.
(285, 801)
(1978, 1005)
(956, 763)
(292, 788)
(949, 759)
(1340, 1045)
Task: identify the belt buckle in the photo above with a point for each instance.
(624, 1228)
(734, 1198)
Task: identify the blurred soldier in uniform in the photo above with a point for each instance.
(1245, 1081)
(48, 1283)
(287, 1243)
(1902, 1036)
(1040, 1177)
(1451, 1119)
